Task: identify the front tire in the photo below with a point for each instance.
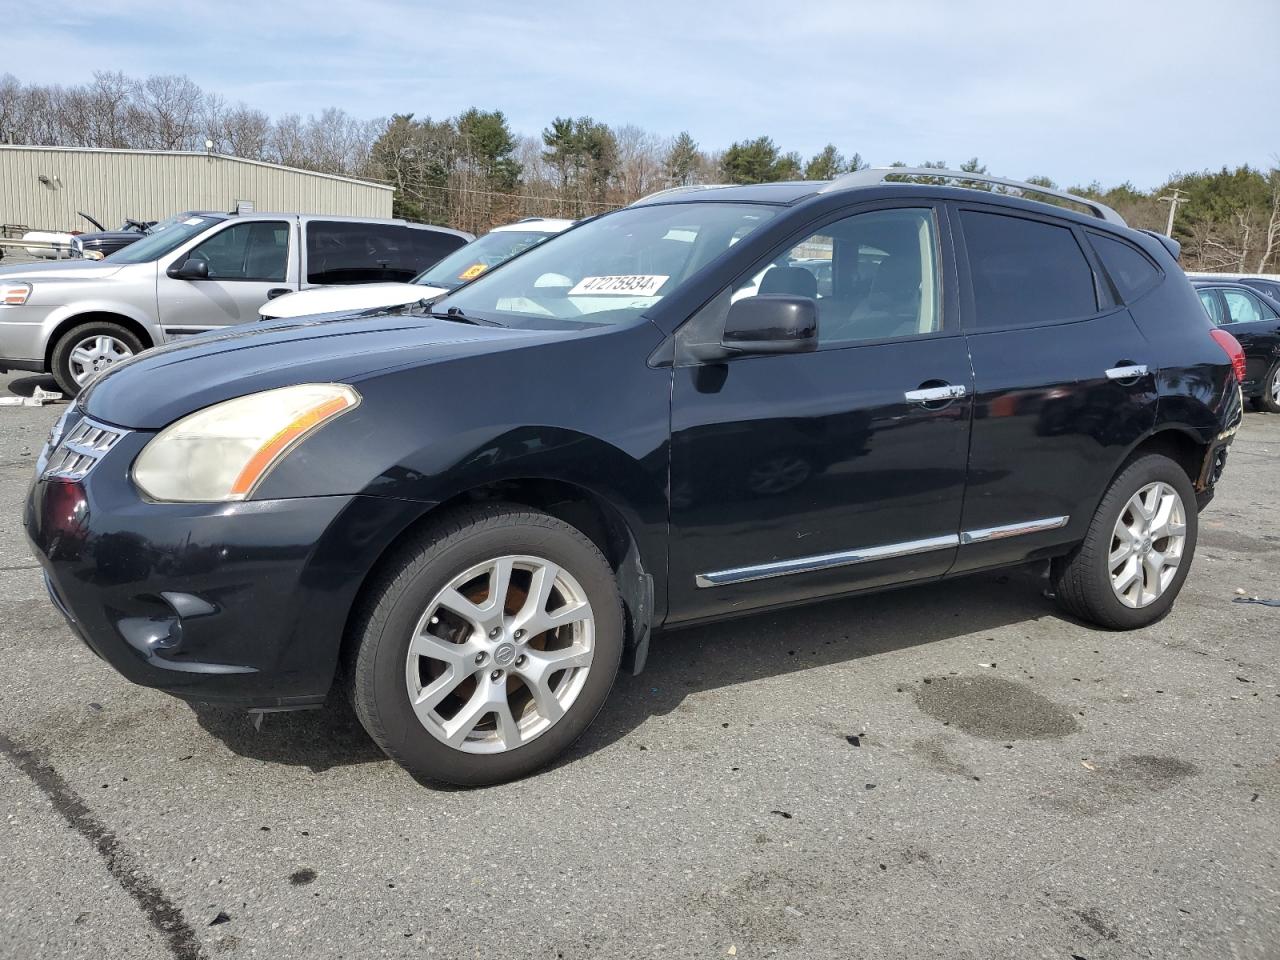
(486, 646)
(89, 350)
(1131, 565)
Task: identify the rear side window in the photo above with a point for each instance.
(1130, 270)
(1025, 272)
(1213, 306)
(341, 252)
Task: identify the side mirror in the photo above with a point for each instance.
(771, 323)
(190, 269)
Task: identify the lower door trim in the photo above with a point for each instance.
(845, 558)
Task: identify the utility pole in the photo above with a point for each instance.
(1173, 202)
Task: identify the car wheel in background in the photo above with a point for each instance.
(1132, 563)
(486, 646)
(1269, 399)
(89, 350)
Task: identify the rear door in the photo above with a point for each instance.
(1063, 378)
(248, 260)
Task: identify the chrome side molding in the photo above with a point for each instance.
(826, 561)
(846, 558)
(1012, 530)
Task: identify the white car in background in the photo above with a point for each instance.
(497, 246)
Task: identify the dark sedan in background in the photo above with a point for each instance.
(1253, 318)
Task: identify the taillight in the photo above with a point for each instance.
(1231, 346)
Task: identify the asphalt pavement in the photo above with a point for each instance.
(955, 770)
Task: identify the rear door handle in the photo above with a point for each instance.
(277, 292)
(1130, 372)
(935, 394)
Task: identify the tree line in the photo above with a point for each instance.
(473, 171)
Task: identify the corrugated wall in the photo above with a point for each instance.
(111, 185)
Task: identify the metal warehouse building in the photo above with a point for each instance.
(44, 187)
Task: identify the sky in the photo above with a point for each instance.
(1125, 90)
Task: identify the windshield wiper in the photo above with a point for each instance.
(456, 314)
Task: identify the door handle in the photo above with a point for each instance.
(277, 292)
(935, 394)
(1130, 372)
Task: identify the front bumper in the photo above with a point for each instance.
(238, 603)
(22, 336)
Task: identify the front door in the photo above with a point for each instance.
(247, 262)
(804, 475)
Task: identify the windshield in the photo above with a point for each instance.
(476, 257)
(609, 270)
(163, 237)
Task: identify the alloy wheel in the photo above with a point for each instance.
(1147, 545)
(95, 355)
(500, 654)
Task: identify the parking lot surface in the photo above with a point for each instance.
(954, 770)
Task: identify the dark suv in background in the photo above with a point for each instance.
(474, 511)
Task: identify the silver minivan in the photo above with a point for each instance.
(194, 272)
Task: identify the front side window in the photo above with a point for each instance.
(1213, 307)
(1025, 272)
(610, 270)
(1243, 307)
(165, 236)
(874, 275)
(479, 257)
(254, 250)
(1129, 268)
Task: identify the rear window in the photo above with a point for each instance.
(1025, 272)
(1130, 269)
(342, 252)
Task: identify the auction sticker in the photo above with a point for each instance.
(628, 285)
(473, 271)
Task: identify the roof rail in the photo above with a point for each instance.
(672, 191)
(872, 176)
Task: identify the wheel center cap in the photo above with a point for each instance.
(504, 654)
(1146, 544)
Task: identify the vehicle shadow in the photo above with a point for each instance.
(733, 652)
(24, 386)
(691, 661)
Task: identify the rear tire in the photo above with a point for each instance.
(426, 625)
(1086, 581)
(74, 370)
(1269, 399)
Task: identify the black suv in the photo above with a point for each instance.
(473, 512)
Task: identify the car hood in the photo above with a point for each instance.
(61, 270)
(362, 296)
(161, 385)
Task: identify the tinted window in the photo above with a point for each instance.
(874, 276)
(1213, 306)
(1130, 270)
(1244, 307)
(340, 252)
(1025, 271)
(1270, 287)
(256, 250)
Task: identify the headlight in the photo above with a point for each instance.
(15, 294)
(223, 451)
(92, 254)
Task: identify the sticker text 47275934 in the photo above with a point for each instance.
(626, 285)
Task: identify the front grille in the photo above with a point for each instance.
(86, 444)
